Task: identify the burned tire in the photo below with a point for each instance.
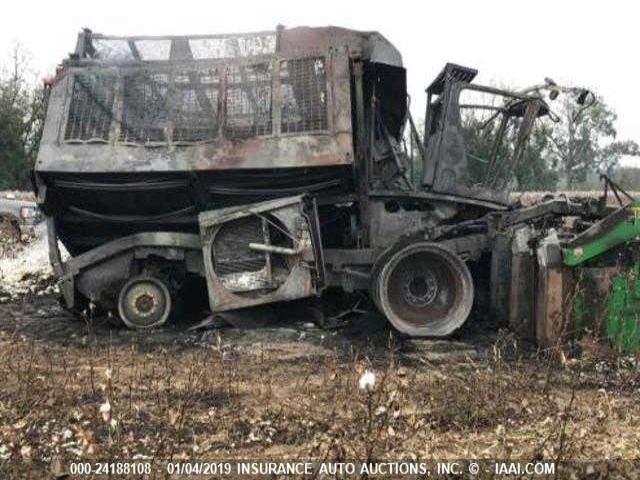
(423, 289)
(144, 302)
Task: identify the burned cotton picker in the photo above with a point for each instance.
(266, 167)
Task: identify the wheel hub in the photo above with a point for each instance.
(144, 302)
(421, 289)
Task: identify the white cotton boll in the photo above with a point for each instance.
(367, 380)
(105, 410)
(108, 372)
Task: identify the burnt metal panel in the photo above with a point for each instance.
(371, 46)
(272, 152)
(522, 284)
(500, 276)
(451, 73)
(116, 247)
(553, 306)
(242, 271)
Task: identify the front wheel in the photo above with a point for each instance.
(423, 289)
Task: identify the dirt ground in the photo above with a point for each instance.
(285, 388)
(283, 384)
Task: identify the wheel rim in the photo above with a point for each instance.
(144, 302)
(424, 290)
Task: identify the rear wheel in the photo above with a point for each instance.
(144, 302)
(423, 289)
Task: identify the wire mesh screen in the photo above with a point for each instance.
(248, 102)
(91, 108)
(195, 102)
(144, 116)
(304, 95)
(231, 252)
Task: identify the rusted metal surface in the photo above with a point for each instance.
(553, 306)
(500, 276)
(522, 273)
(118, 58)
(169, 240)
(307, 151)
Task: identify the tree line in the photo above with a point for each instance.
(574, 145)
(22, 109)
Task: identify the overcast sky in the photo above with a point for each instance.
(591, 44)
